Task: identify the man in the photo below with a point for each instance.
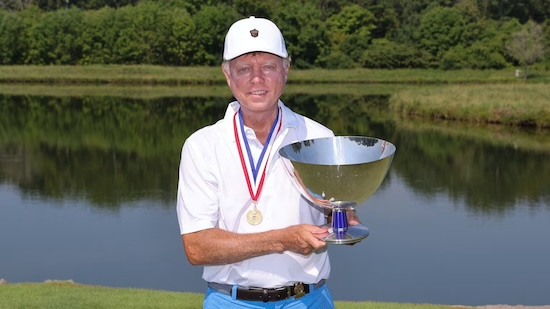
(239, 213)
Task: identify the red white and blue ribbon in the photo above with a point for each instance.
(250, 169)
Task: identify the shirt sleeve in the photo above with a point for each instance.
(197, 198)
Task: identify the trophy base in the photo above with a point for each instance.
(354, 234)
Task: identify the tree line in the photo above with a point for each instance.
(445, 34)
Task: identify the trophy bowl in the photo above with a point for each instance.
(339, 173)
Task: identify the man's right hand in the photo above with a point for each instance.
(304, 238)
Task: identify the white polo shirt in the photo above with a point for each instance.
(212, 192)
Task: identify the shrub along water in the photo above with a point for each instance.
(509, 104)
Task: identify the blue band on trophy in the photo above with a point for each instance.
(339, 223)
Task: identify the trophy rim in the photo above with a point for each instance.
(385, 154)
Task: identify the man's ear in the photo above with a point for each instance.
(227, 76)
(287, 69)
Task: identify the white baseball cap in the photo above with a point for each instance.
(253, 35)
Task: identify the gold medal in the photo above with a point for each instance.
(254, 216)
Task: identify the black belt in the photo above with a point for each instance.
(266, 295)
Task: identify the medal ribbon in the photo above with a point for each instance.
(241, 139)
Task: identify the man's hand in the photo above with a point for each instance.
(304, 238)
(351, 214)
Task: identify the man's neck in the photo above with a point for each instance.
(260, 122)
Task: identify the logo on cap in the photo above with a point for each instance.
(254, 33)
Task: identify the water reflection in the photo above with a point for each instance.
(110, 150)
(107, 150)
(490, 178)
(72, 166)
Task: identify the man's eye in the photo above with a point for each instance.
(269, 68)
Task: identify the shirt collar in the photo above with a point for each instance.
(289, 118)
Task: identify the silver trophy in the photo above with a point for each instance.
(338, 173)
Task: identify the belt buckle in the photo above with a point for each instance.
(299, 290)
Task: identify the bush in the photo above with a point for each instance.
(57, 38)
(384, 54)
(12, 44)
(336, 60)
(477, 56)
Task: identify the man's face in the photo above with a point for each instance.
(257, 80)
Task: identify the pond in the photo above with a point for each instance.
(88, 184)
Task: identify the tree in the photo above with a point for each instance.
(56, 38)
(14, 5)
(440, 29)
(303, 30)
(408, 15)
(212, 22)
(385, 18)
(53, 5)
(12, 40)
(247, 8)
(523, 10)
(349, 34)
(386, 54)
(527, 45)
(484, 47)
(178, 38)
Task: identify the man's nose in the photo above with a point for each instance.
(257, 75)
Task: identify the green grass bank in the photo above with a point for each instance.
(148, 74)
(479, 96)
(67, 295)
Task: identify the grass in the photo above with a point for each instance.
(68, 295)
(516, 104)
(110, 90)
(111, 74)
(149, 74)
(477, 96)
(159, 91)
(59, 295)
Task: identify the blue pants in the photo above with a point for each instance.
(317, 299)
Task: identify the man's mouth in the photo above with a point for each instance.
(258, 92)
